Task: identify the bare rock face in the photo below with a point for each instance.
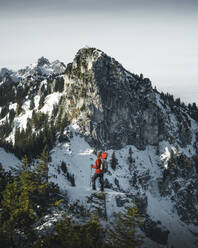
(115, 108)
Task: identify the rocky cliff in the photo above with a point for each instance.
(116, 108)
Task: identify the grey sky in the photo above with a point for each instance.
(153, 37)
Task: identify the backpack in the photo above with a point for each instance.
(103, 165)
(104, 155)
(100, 164)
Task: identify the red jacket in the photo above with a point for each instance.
(97, 165)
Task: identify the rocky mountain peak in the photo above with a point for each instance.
(88, 52)
(4, 71)
(85, 58)
(115, 107)
(112, 103)
(43, 61)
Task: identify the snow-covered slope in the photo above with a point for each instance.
(92, 104)
(78, 156)
(8, 160)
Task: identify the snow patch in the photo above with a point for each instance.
(50, 101)
(8, 160)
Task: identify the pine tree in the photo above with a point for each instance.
(59, 85)
(17, 206)
(18, 109)
(134, 179)
(55, 110)
(113, 161)
(12, 115)
(26, 199)
(123, 232)
(178, 101)
(25, 165)
(64, 167)
(71, 179)
(194, 107)
(4, 179)
(59, 120)
(42, 168)
(68, 234)
(10, 210)
(92, 233)
(41, 101)
(130, 156)
(4, 112)
(72, 235)
(32, 105)
(171, 158)
(5, 129)
(64, 124)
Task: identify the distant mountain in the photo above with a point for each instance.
(93, 104)
(38, 71)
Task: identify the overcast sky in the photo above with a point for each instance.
(154, 37)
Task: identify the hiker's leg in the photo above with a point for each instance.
(94, 181)
(102, 182)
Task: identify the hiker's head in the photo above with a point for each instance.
(104, 155)
(99, 154)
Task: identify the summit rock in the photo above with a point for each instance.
(115, 108)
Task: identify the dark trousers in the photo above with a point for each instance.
(101, 180)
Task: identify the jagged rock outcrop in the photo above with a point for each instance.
(115, 108)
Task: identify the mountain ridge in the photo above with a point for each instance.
(37, 71)
(96, 104)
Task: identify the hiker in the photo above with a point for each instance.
(100, 165)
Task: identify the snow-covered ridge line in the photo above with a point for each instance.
(39, 70)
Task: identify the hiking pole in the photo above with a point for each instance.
(90, 175)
